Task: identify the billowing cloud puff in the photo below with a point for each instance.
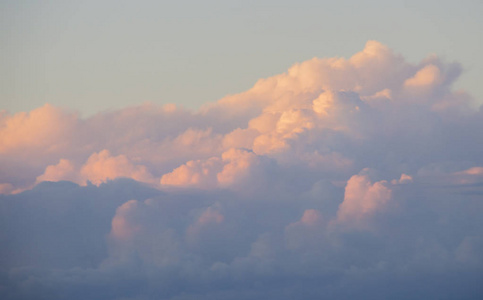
(404, 179)
(64, 170)
(99, 167)
(358, 177)
(199, 173)
(237, 167)
(121, 227)
(102, 166)
(234, 166)
(46, 129)
(426, 77)
(362, 199)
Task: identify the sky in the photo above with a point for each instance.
(93, 56)
(240, 150)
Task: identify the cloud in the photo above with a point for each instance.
(348, 177)
(102, 166)
(362, 199)
(404, 179)
(426, 77)
(200, 173)
(64, 170)
(121, 227)
(308, 232)
(6, 188)
(315, 112)
(234, 168)
(44, 129)
(99, 168)
(195, 245)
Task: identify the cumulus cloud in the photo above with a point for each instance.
(426, 77)
(315, 112)
(45, 128)
(102, 166)
(358, 177)
(234, 168)
(121, 227)
(363, 198)
(64, 170)
(99, 167)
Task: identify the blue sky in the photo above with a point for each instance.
(96, 55)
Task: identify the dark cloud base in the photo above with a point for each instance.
(56, 245)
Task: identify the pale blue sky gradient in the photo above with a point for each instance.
(97, 55)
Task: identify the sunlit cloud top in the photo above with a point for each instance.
(358, 176)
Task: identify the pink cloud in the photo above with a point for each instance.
(311, 116)
(195, 173)
(231, 168)
(276, 164)
(102, 166)
(362, 199)
(404, 179)
(238, 164)
(99, 167)
(122, 228)
(425, 78)
(44, 129)
(64, 170)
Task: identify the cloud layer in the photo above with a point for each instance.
(359, 177)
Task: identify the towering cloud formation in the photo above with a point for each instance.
(342, 177)
(313, 115)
